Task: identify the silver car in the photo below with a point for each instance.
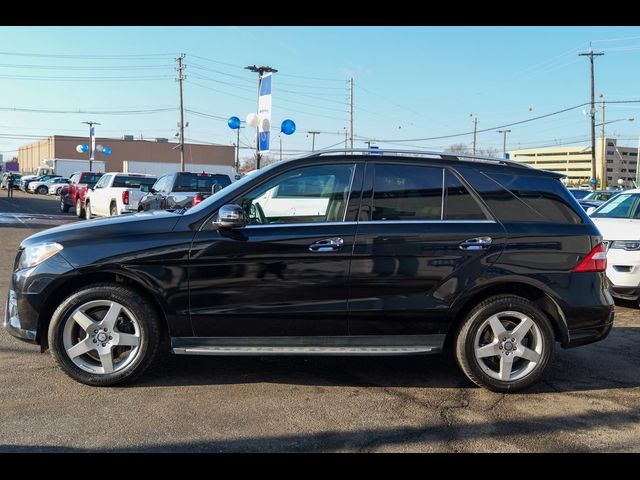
(47, 186)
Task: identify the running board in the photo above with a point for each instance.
(362, 345)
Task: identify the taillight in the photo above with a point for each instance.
(196, 200)
(125, 197)
(595, 261)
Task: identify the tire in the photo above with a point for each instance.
(498, 365)
(87, 211)
(64, 208)
(79, 209)
(42, 190)
(58, 191)
(134, 322)
(113, 209)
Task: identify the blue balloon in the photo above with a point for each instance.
(593, 181)
(85, 148)
(233, 122)
(107, 151)
(288, 127)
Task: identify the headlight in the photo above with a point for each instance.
(626, 244)
(32, 256)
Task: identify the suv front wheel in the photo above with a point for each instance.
(505, 344)
(104, 334)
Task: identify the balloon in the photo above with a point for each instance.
(79, 149)
(265, 124)
(288, 127)
(233, 122)
(253, 120)
(85, 148)
(99, 148)
(106, 151)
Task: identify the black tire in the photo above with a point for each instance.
(87, 211)
(42, 190)
(79, 209)
(58, 191)
(148, 329)
(113, 209)
(64, 208)
(480, 371)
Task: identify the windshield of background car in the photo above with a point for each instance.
(621, 206)
(204, 205)
(579, 194)
(132, 182)
(91, 179)
(194, 182)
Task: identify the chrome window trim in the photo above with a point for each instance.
(368, 222)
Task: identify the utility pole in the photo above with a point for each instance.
(368, 142)
(638, 165)
(280, 136)
(313, 140)
(504, 142)
(351, 113)
(92, 143)
(592, 54)
(346, 137)
(603, 181)
(238, 150)
(475, 131)
(260, 71)
(180, 79)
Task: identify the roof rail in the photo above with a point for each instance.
(466, 157)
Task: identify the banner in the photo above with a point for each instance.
(92, 153)
(264, 112)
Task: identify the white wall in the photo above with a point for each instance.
(160, 168)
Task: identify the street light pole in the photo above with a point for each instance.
(260, 70)
(313, 140)
(504, 142)
(92, 143)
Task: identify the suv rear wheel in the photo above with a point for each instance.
(87, 211)
(64, 208)
(79, 209)
(505, 344)
(104, 334)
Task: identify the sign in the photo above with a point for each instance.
(264, 112)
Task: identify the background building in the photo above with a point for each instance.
(158, 156)
(575, 162)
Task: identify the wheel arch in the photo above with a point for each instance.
(534, 293)
(64, 289)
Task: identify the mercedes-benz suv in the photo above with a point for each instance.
(336, 253)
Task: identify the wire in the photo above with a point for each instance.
(93, 112)
(85, 79)
(85, 67)
(46, 55)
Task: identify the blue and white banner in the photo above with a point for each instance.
(264, 112)
(92, 153)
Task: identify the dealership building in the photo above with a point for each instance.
(157, 156)
(575, 162)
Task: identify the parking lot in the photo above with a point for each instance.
(589, 399)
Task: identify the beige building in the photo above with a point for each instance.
(126, 149)
(575, 162)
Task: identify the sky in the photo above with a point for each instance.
(411, 84)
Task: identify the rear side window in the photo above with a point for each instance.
(199, 182)
(407, 192)
(132, 182)
(525, 198)
(459, 203)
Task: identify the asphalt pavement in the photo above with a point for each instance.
(588, 400)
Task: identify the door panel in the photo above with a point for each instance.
(264, 281)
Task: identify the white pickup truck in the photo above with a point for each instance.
(116, 193)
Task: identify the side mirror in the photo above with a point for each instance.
(590, 210)
(230, 216)
(215, 188)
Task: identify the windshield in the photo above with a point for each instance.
(579, 194)
(132, 182)
(602, 196)
(233, 187)
(199, 182)
(621, 206)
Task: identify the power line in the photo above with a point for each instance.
(85, 79)
(47, 55)
(94, 112)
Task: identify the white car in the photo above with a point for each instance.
(116, 193)
(43, 186)
(619, 222)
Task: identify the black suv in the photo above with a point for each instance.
(182, 190)
(336, 253)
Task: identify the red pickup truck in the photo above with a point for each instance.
(74, 194)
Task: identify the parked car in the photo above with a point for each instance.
(182, 190)
(597, 198)
(74, 194)
(116, 193)
(579, 193)
(619, 221)
(411, 255)
(16, 181)
(55, 186)
(42, 187)
(25, 181)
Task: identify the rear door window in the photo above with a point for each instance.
(459, 203)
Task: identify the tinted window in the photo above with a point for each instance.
(199, 182)
(312, 194)
(91, 178)
(579, 194)
(459, 203)
(407, 192)
(132, 182)
(539, 199)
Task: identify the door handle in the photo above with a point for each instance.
(479, 243)
(327, 245)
